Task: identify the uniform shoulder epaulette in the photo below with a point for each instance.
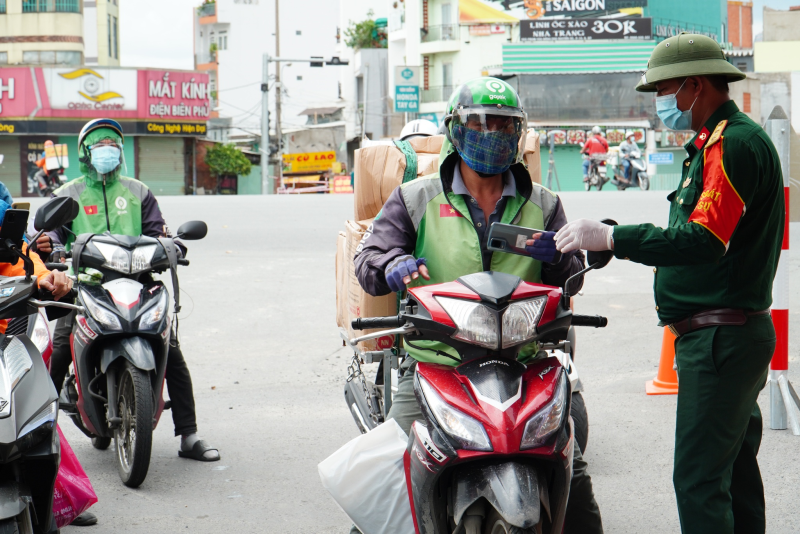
(715, 136)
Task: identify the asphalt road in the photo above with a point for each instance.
(258, 331)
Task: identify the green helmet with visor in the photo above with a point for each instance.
(487, 125)
(100, 146)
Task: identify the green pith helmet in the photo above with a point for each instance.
(684, 55)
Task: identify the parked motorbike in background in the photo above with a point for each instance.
(120, 341)
(494, 452)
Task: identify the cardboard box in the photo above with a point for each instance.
(533, 157)
(379, 169)
(351, 301)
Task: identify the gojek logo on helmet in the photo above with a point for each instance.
(496, 87)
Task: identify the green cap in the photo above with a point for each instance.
(684, 55)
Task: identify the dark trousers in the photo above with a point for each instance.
(179, 381)
(718, 429)
(583, 514)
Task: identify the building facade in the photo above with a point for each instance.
(41, 32)
(101, 32)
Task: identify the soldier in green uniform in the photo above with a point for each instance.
(714, 267)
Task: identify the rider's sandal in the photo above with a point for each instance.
(198, 450)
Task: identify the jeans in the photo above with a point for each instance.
(583, 514)
(179, 381)
(586, 163)
(626, 169)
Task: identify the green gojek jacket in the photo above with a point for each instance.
(426, 219)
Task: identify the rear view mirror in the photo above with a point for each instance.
(603, 257)
(55, 214)
(193, 230)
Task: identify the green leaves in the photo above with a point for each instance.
(226, 160)
(366, 34)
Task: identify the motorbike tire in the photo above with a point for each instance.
(133, 439)
(588, 185)
(101, 444)
(644, 182)
(495, 524)
(581, 419)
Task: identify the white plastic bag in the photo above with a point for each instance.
(366, 478)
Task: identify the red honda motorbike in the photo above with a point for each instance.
(494, 452)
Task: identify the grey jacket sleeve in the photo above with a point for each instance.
(556, 274)
(392, 234)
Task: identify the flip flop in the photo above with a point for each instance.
(199, 448)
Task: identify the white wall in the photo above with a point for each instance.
(90, 51)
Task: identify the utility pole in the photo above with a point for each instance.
(278, 89)
(266, 187)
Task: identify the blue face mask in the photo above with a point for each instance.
(487, 153)
(105, 158)
(670, 115)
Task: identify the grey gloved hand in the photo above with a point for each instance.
(585, 234)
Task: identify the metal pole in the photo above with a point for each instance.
(782, 405)
(264, 148)
(364, 102)
(194, 165)
(278, 89)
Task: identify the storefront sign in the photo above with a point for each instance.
(672, 29)
(182, 129)
(308, 162)
(406, 89)
(487, 29)
(341, 185)
(571, 7)
(175, 95)
(661, 158)
(91, 89)
(586, 29)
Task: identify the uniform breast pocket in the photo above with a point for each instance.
(685, 202)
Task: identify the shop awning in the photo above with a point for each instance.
(576, 57)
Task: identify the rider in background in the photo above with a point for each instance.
(625, 149)
(596, 144)
(111, 202)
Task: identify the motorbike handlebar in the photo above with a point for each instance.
(377, 322)
(589, 320)
(183, 261)
(56, 266)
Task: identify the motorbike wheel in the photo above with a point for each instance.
(587, 185)
(495, 524)
(101, 444)
(581, 419)
(133, 439)
(644, 181)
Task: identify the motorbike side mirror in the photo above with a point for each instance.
(193, 230)
(55, 214)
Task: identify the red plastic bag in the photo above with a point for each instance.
(73, 492)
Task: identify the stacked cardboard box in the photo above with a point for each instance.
(379, 169)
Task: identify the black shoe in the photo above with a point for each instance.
(86, 519)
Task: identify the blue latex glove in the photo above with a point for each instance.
(543, 248)
(401, 267)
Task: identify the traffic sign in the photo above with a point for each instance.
(661, 158)
(406, 89)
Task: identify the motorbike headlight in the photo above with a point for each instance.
(141, 258)
(520, 320)
(48, 415)
(467, 431)
(544, 424)
(475, 323)
(153, 315)
(107, 319)
(41, 334)
(117, 258)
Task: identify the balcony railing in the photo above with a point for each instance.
(438, 93)
(49, 6)
(202, 59)
(443, 32)
(207, 10)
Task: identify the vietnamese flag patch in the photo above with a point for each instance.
(90, 210)
(446, 210)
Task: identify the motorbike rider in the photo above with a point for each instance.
(596, 144)
(434, 229)
(120, 205)
(626, 149)
(418, 128)
(45, 177)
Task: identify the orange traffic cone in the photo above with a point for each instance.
(666, 381)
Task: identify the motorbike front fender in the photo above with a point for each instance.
(13, 499)
(135, 349)
(511, 488)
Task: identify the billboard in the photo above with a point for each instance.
(512, 11)
(91, 89)
(588, 29)
(406, 89)
(308, 162)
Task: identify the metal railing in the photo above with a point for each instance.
(443, 32)
(207, 10)
(438, 93)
